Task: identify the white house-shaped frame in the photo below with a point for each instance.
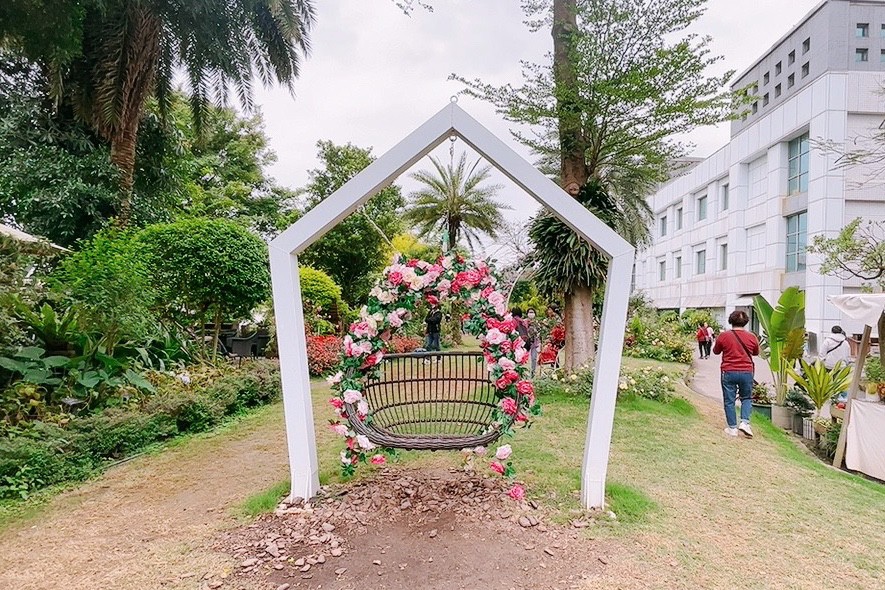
(284, 250)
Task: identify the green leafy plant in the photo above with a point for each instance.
(873, 371)
(761, 394)
(784, 335)
(57, 331)
(821, 383)
(31, 366)
(799, 401)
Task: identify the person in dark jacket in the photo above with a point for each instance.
(737, 347)
(433, 321)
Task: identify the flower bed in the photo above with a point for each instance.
(323, 353)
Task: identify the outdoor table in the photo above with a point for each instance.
(865, 451)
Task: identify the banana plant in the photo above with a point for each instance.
(784, 332)
(821, 383)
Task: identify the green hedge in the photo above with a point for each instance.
(47, 454)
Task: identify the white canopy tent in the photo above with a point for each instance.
(451, 121)
(870, 309)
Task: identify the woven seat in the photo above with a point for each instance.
(429, 401)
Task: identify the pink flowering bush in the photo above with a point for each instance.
(391, 303)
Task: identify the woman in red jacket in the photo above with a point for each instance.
(738, 347)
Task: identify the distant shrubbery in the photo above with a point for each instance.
(648, 382)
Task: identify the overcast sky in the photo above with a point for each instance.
(375, 74)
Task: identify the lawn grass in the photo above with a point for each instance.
(265, 501)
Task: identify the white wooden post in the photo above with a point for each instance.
(297, 405)
(605, 382)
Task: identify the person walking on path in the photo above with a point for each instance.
(533, 343)
(737, 347)
(702, 337)
(433, 321)
(836, 348)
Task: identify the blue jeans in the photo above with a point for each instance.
(734, 383)
(432, 341)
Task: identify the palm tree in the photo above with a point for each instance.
(132, 49)
(452, 202)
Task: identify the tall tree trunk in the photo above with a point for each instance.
(134, 48)
(579, 346)
(573, 171)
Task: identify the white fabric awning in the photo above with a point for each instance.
(866, 307)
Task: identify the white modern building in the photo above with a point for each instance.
(736, 224)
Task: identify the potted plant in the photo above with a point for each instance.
(874, 374)
(762, 400)
(802, 407)
(821, 383)
(782, 345)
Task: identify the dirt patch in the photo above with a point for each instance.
(405, 530)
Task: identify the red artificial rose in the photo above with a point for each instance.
(337, 402)
(506, 346)
(395, 277)
(502, 383)
(496, 467)
(432, 299)
(412, 263)
(511, 375)
(525, 388)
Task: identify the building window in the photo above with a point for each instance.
(806, 46)
(702, 208)
(777, 90)
(700, 262)
(791, 58)
(798, 167)
(778, 68)
(883, 31)
(723, 256)
(805, 69)
(662, 271)
(677, 266)
(755, 107)
(861, 55)
(862, 30)
(765, 100)
(791, 80)
(766, 79)
(797, 236)
(679, 218)
(663, 225)
(725, 197)
(882, 55)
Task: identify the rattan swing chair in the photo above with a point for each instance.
(430, 401)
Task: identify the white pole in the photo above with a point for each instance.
(292, 343)
(605, 382)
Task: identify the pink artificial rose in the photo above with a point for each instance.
(495, 336)
(480, 451)
(351, 396)
(378, 459)
(363, 330)
(432, 299)
(517, 492)
(496, 467)
(506, 346)
(395, 277)
(336, 401)
(521, 355)
(394, 320)
(508, 405)
(362, 408)
(502, 383)
(525, 388)
(335, 379)
(507, 364)
(486, 292)
(496, 298)
(339, 429)
(503, 453)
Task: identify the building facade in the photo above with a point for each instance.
(737, 223)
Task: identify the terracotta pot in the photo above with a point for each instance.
(782, 416)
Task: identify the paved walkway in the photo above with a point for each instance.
(706, 375)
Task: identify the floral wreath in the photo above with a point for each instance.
(392, 302)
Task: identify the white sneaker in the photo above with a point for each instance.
(745, 428)
(731, 431)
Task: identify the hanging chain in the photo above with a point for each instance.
(452, 140)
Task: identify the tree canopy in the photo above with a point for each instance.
(357, 247)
